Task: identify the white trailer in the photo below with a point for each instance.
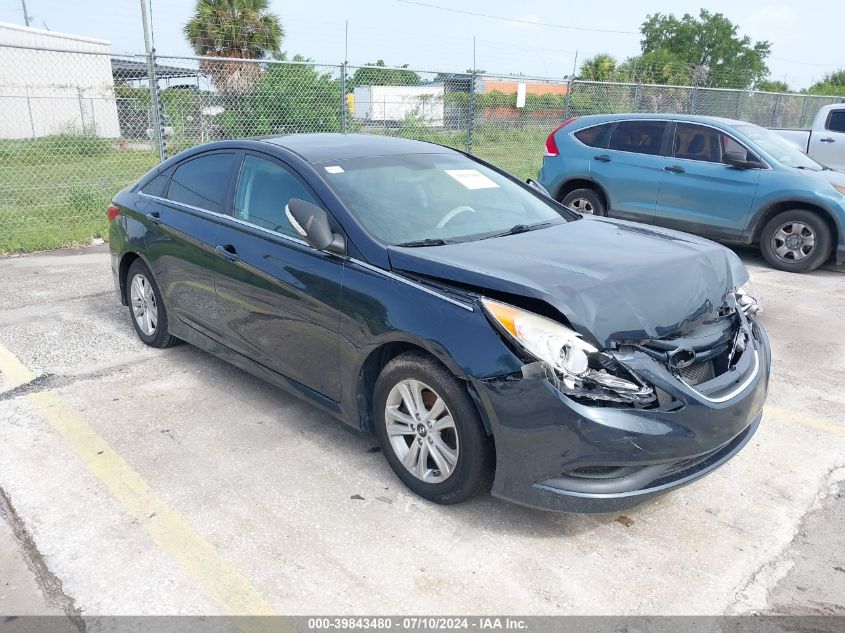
(44, 92)
(398, 103)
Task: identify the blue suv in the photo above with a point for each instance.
(724, 179)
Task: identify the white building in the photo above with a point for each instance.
(398, 103)
(45, 92)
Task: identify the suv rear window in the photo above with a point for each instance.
(641, 137)
(595, 136)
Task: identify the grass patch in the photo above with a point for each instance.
(54, 195)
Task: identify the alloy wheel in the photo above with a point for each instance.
(582, 205)
(144, 307)
(794, 241)
(421, 431)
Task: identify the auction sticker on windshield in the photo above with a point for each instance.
(471, 178)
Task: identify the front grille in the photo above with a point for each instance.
(698, 373)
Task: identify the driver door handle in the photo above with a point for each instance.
(827, 140)
(602, 157)
(227, 252)
(675, 169)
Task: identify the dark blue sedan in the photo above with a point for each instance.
(485, 333)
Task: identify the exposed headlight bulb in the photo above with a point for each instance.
(573, 360)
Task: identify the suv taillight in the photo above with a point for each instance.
(112, 211)
(551, 146)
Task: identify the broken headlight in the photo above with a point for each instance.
(579, 368)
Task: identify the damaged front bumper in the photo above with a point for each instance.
(556, 453)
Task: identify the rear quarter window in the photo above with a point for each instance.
(836, 121)
(594, 136)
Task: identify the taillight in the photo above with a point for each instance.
(551, 146)
(112, 211)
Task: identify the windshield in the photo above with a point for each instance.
(429, 199)
(779, 148)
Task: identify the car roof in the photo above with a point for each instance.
(318, 148)
(691, 118)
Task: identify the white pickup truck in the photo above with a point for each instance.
(825, 141)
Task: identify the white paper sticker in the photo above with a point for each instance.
(334, 169)
(472, 178)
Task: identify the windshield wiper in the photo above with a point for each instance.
(517, 228)
(429, 241)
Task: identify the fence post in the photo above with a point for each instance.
(343, 111)
(471, 111)
(775, 109)
(567, 104)
(694, 100)
(29, 109)
(155, 100)
(803, 111)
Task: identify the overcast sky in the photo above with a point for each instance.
(806, 36)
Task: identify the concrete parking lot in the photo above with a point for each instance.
(141, 481)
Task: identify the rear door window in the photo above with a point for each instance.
(641, 137)
(595, 136)
(836, 121)
(203, 182)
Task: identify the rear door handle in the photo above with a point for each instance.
(155, 217)
(602, 157)
(228, 252)
(827, 140)
(675, 169)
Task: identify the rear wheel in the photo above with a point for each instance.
(584, 201)
(146, 307)
(797, 241)
(430, 430)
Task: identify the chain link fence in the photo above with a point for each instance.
(768, 109)
(79, 125)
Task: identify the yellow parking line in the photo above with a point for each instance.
(13, 371)
(805, 420)
(218, 579)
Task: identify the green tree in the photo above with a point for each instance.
(601, 67)
(710, 46)
(379, 75)
(245, 29)
(289, 98)
(656, 67)
(772, 85)
(832, 84)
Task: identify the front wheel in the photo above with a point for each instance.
(430, 431)
(584, 201)
(796, 241)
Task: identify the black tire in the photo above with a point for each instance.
(160, 337)
(815, 225)
(475, 463)
(584, 201)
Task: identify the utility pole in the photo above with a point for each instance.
(156, 121)
(25, 13)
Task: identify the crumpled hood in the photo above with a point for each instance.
(613, 280)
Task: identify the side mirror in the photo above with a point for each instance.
(736, 159)
(312, 224)
(538, 187)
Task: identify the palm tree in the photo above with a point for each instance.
(244, 29)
